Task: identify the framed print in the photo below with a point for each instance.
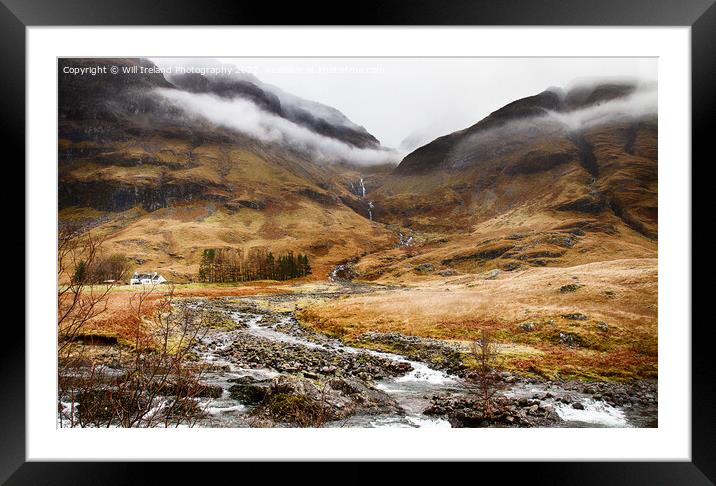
(459, 232)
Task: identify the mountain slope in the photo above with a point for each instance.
(161, 183)
(553, 179)
(520, 149)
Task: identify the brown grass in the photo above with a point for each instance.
(621, 293)
(120, 317)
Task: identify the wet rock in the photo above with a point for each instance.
(328, 370)
(465, 411)
(257, 352)
(578, 406)
(209, 391)
(506, 376)
(365, 397)
(300, 402)
(249, 390)
(438, 354)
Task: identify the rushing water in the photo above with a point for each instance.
(412, 391)
(594, 413)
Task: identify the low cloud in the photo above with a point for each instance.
(642, 102)
(246, 117)
(483, 142)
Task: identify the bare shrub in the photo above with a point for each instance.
(154, 382)
(112, 268)
(485, 379)
(77, 300)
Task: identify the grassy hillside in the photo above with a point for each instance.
(160, 186)
(235, 198)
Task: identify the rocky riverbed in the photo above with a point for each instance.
(270, 371)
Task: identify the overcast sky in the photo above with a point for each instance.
(395, 98)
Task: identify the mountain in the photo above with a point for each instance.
(161, 183)
(558, 178)
(166, 166)
(317, 117)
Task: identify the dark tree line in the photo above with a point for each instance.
(233, 265)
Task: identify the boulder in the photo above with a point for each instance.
(603, 326)
(568, 339)
(570, 288)
(424, 268)
(492, 274)
(528, 326)
(249, 390)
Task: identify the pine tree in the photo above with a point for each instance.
(80, 273)
(206, 273)
(305, 266)
(231, 265)
(270, 266)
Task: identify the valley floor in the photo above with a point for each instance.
(569, 340)
(593, 321)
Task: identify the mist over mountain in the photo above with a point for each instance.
(319, 118)
(238, 101)
(549, 112)
(333, 143)
(229, 160)
(588, 154)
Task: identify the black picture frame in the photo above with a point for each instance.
(700, 15)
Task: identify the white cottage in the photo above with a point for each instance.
(147, 279)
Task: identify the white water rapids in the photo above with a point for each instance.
(412, 391)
